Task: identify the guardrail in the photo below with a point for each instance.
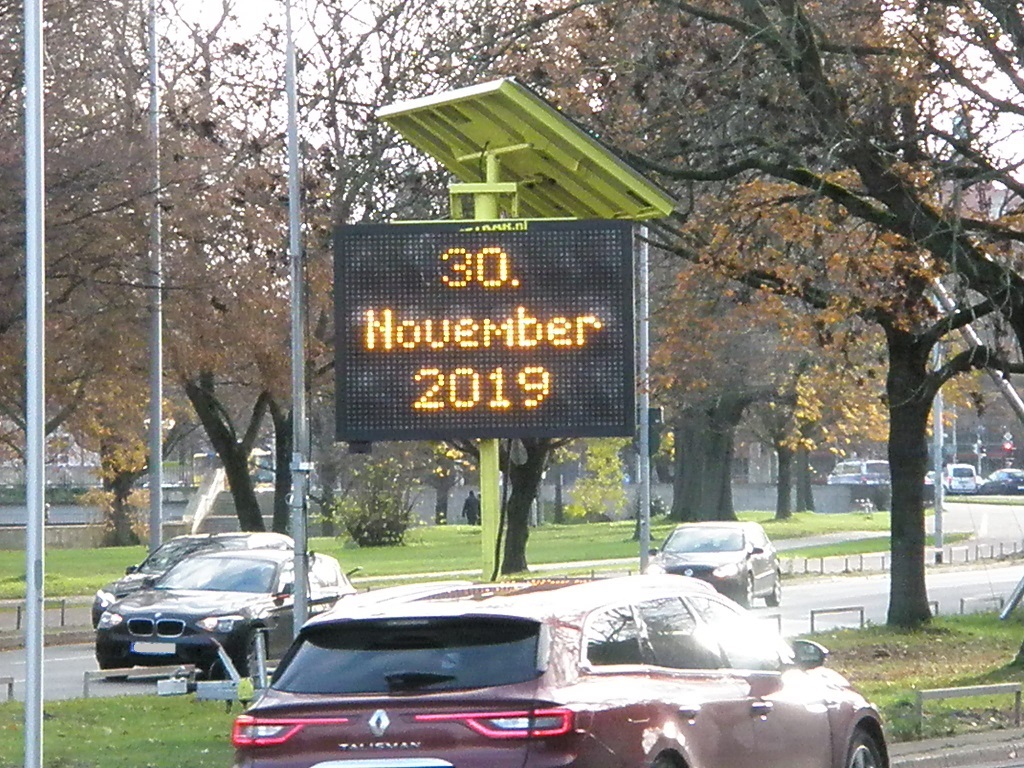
(858, 609)
(59, 604)
(138, 673)
(930, 694)
(990, 599)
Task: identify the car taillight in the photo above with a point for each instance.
(536, 724)
(252, 731)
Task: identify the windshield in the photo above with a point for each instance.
(173, 552)
(394, 655)
(704, 540)
(221, 574)
(963, 472)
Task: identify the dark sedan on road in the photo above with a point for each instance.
(1007, 482)
(736, 558)
(640, 671)
(224, 598)
(172, 552)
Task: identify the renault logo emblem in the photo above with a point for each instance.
(688, 572)
(379, 722)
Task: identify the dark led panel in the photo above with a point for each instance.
(484, 329)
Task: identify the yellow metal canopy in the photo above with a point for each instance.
(559, 169)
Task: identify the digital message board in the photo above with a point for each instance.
(484, 329)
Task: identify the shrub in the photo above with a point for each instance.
(599, 494)
(377, 510)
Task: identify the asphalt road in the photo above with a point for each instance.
(840, 601)
(974, 588)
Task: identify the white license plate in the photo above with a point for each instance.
(154, 649)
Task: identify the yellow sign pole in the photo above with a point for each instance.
(485, 207)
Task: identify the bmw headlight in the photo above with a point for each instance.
(109, 620)
(220, 624)
(105, 598)
(656, 568)
(726, 571)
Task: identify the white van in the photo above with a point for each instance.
(960, 478)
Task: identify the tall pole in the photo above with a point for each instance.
(643, 354)
(937, 436)
(35, 394)
(300, 437)
(156, 387)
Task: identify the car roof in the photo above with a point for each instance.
(254, 539)
(536, 599)
(274, 555)
(741, 524)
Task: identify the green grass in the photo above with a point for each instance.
(124, 732)
(887, 665)
(427, 549)
(864, 546)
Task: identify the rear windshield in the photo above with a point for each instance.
(407, 655)
(963, 472)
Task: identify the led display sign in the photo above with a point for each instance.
(484, 329)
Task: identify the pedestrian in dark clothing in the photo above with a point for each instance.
(471, 509)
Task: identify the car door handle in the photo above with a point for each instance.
(761, 709)
(689, 712)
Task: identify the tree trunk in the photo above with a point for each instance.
(910, 391)
(524, 480)
(120, 532)
(802, 481)
(702, 488)
(284, 439)
(233, 452)
(784, 487)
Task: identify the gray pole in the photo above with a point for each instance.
(937, 463)
(35, 391)
(643, 353)
(156, 389)
(300, 438)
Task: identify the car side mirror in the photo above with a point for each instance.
(130, 570)
(808, 654)
(287, 589)
(652, 551)
(148, 582)
(757, 550)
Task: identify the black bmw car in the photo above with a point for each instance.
(172, 552)
(226, 598)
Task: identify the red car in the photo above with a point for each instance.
(634, 672)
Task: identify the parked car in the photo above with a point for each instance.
(860, 472)
(172, 552)
(1007, 481)
(959, 478)
(645, 671)
(224, 598)
(736, 558)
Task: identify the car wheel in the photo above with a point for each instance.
(664, 761)
(747, 598)
(864, 752)
(775, 596)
